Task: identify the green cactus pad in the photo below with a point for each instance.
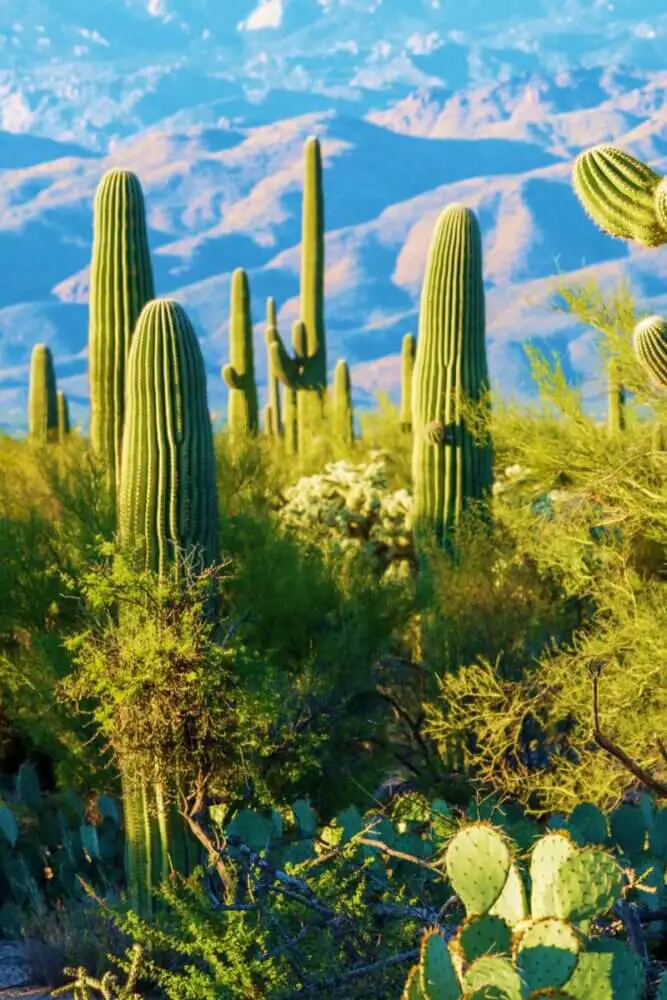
(587, 885)
(661, 992)
(650, 872)
(548, 854)
(591, 822)
(8, 825)
(512, 904)
(658, 834)
(546, 955)
(494, 971)
(478, 863)
(618, 192)
(628, 829)
(650, 343)
(478, 936)
(489, 993)
(607, 970)
(437, 976)
(412, 990)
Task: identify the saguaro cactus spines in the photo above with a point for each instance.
(274, 417)
(239, 374)
(42, 400)
(121, 282)
(650, 344)
(168, 500)
(343, 412)
(63, 416)
(307, 370)
(450, 467)
(408, 350)
(622, 195)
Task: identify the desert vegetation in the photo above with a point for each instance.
(337, 704)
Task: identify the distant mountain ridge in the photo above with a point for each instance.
(415, 108)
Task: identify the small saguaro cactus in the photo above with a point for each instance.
(343, 412)
(622, 195)
(63, 417)
(616, 402)
(408, 351)
(274, 417)
(239, 374)
(121, 282)
(42, 399)
(168, 496)
(450, 466)
(306, 372)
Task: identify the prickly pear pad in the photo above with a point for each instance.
(412, 990)
(494, 971)
(548, 855)
(478, 863)
(587, 885)
(512, 905)
(607, 970)
(437, 976)
(478, 936)
(488, 993)
(546, 954)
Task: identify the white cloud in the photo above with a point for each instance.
(269, 14)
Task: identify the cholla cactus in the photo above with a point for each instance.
(350, 505)
(505, 950)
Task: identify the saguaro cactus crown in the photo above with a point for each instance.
(42, 400)
(168, 499)
(121, 282)
(307, 370)
(450, 466)
(239, 374)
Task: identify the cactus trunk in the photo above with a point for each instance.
(450, 467)
(239, 374)
(408, 349)
(306, 372)
(343, 412)
(275, 428)
(42, 398)
(616, 408)
(64, 427)
(121, 282)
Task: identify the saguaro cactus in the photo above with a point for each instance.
(239, 374)
(408, 351)
(616, 402)
(622, 195)
(274, 415)
(168, 500)
(63, 416)
(121, 282)
(42, 401)
(343, 412)
(650, 344)
(307, 370)
(450, 467)
(168, 512)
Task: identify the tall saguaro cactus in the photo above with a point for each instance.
(168, 512)
(408, 351)
(274, 412)
(121, 282)
(343, 412)
(307, 370)
(450, 466)
(42, 400)
(239, 374)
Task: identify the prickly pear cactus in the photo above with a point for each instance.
(517, 955)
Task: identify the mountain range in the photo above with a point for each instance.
(416, 104)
